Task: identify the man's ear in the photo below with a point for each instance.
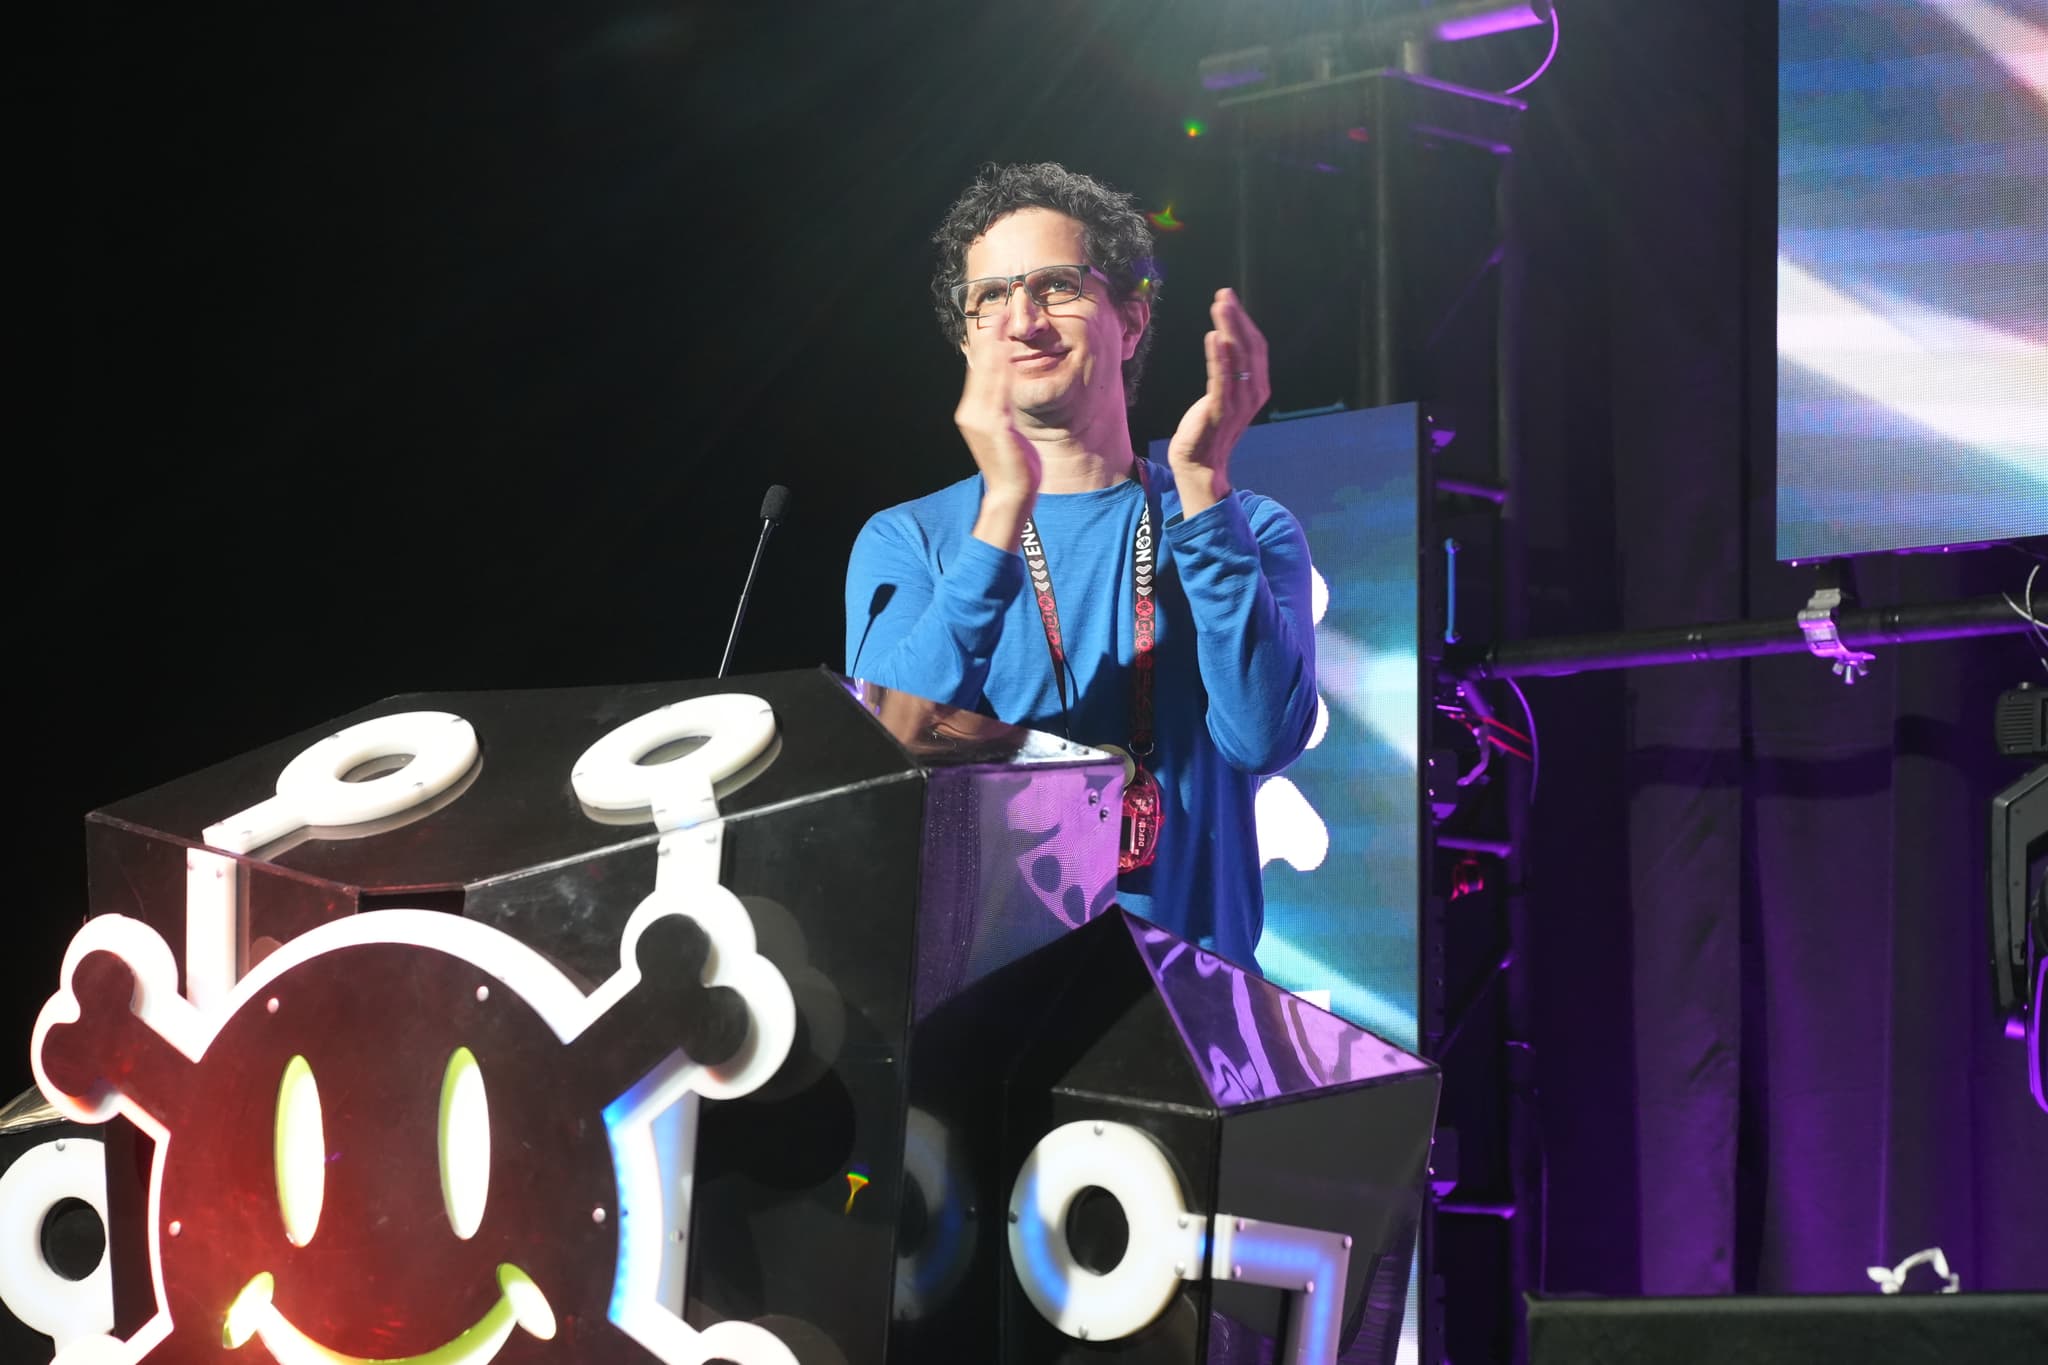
(1136, 313)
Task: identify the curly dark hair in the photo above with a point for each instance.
(1118, 239)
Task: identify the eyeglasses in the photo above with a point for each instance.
(1047, 285)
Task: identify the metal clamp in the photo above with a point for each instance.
(1824, 637)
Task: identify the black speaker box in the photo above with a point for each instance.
(1801, 1329)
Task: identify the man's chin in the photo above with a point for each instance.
(1046, 401)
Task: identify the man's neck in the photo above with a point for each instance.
(1083, 459)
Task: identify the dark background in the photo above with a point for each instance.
(410, 348)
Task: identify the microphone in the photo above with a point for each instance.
(773, 506)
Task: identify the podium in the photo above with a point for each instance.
(688, 1021)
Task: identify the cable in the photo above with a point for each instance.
(2037, 627)
(2040, 636)
(2026, 613)
(1542, 1200)
(1538, 73)
(2028, 593)
(1535, 745)
(1485, 752)
(1497, 742)
(1477, 710)
(2017, 548)
(1509, 728)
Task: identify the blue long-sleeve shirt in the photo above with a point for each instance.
(932, 611)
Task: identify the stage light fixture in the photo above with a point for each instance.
(1483, 18)
(1401, 39)
(2019, 920)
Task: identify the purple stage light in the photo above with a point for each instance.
(1488, 20)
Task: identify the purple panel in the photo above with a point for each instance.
(1253, 1041)
(940, 736)
(1012, 859)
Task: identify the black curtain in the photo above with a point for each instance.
(1766, 1048)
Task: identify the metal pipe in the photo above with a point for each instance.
(1863, 628)
(1383, 371)
(1518, 993)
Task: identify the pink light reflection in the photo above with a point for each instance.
(1504, 20)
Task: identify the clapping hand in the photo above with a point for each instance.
(1011, 468)
(1199, 453)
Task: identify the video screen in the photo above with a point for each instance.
(1912, 274)
(1338, 830)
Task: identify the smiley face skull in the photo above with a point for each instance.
(407, 1137)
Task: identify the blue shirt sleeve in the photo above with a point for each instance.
(921, 628)
(1244, 564)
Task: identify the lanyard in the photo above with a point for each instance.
(1142, 633)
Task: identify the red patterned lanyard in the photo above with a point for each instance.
(1142, 634)
(1144, 804)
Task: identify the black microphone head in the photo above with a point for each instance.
(775, 504)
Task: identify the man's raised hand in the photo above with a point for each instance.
(1199, 452)
(1010, 465)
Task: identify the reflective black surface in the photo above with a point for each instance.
(895, 859)
(519, 810)
(936, 889)
(1266, 1107)
(1256, 1041)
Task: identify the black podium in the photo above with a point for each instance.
(653, 1021)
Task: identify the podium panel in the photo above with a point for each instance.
(778, 1021)
(287, 928)
(1287, 1148)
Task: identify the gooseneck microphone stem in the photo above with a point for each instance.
(772, 508)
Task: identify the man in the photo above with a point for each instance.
(1169, 612)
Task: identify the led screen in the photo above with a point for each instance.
(1338, 830)
(1912, 273)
